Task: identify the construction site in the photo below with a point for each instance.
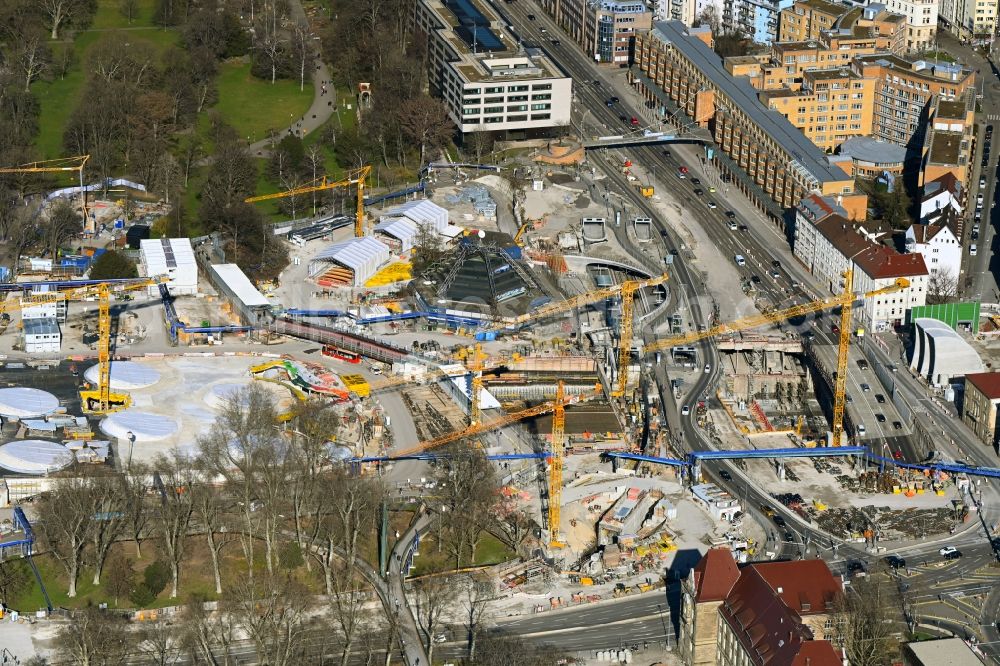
(537, 332)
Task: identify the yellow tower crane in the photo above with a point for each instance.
(75, 163)
(556, 466)
(476, 385)
(844, 301)
(625, 338)
(99, 400)
(355, 177)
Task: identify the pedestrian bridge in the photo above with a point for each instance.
(644, 139)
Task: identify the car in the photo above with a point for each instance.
(879, 398)
(755, 279)
(767, 510)
(725, 475)
(861, 429)
(740, 261)
(776, 264)
(376, 370)
(779, 520)
(835, 329)
(979, 216)
(896, 425)
(544, 30)
(774, 274)
(866, 388)
(682, 175)
(440, 638)
(862, 364)
(699, 192)
(731, 215)
(596, 82)
(744, 227)
(623, 118)
(880, 418)
(556, 42)
(894, 561)
(667, 153)
(976, 227)
(609, 102)
(973, 250)
(856, 568)
(897, 454)
(711, 189)
(982, 182)
(979, 198)
(634, 121)
(711, 204)
(682, 169)
(849, 399)
(685, 410)
(531, 17)
(616, 100)
(732, 226)
(696, 181)
(946, 550)
(808, 335)
(975, 235)
(953, 556)
(789, 537)
(708, 368)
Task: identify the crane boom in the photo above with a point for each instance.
(772, 317)
(555, 471)
(495, 424)
(356, 177)
(625, 338)
(840, 379)
(577, 301)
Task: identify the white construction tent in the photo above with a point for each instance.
(349, 263)
(940, 354)
(401, 224)
(173, 257)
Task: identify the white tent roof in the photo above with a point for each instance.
(421, 212)
(237, 281)
(361, 255)
(25, 403)
(34, 456)
(125, 375)
(170, 256)
(145, 426)
(947, 354)
(401, 228)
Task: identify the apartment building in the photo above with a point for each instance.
(731, 616)
(921, 21)
(487, 81)
(777, 159)
(864, 157)
(979, 405)
(950, 139)
(940, 247)
(833, 245)
(604, 28)
(831, 106)
(944, 194)
(905, 92)
(685, 11)
(807, 19)
(969, 19)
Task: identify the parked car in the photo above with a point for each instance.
(973, 250)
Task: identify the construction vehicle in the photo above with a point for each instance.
(59, 165)
(99, 400)
(647, 191)
(355, 177)
(520, 233)
(844, 301)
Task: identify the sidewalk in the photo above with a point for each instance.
(323, 104)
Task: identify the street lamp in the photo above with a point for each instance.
(131, 444)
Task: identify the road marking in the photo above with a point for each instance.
(590, 627)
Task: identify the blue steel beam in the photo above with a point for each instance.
(818, 452)
(438, 456)
(650, 459)
(991, 472)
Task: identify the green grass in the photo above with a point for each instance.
(943, 56)
(59, 97)
(490, 551)
(253, 107)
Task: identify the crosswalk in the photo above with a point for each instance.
(993, 116)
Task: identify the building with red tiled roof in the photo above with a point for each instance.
(773, 613)
(979, 405)
(834, 245)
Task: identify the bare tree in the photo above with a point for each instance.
(467, 503)
(94, 638)
(302, 50)
(33, 57)
(159, 643)
(66, 516)
(59, 12)
(173, 518)
(870, 611)
(137, 515)
(128, 9)
(942, 286)
(474, 598)
(273, 611)
(207, 635)
(209, 511)
(108, 520)
(433, 597)
(63, 223)
(425, 120)
(271, 48)
(315, 160)
(316, 424)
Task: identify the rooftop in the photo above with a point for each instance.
(878, 261)
(823, 6)
(805, 586)
(714, 575)
(924, 69)
(946, 147)
(815, 207)
(867, 149)
(830, 74)
(803, 152)
(943, 652)
(41, 326)
(949, 109)
(988, 383)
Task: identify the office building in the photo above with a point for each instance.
(487, 80)
(864, 157)
(786, 611)
(921, 21)
(604, 28)
(905, 92)
(969, 20)
(807, 19)
(950, 139)
(769, 158)
(41, 335)
(979, 405)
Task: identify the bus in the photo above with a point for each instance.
(341, 354)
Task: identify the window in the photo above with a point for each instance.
(516, 119)
(494, 100)
(517, 98)
(540, 107)
(470, 112)
(472, 101)
(495, 119)
(494, 90)
(517, 107)
(541, 86)
(517, 88)
(542, 96)
(493, 109)
(541, 116)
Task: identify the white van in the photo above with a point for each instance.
(861, 429)
(740, 261)
(973, 250)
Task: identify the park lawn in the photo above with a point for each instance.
(489, 552)
(109, 17)
(254, 106)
